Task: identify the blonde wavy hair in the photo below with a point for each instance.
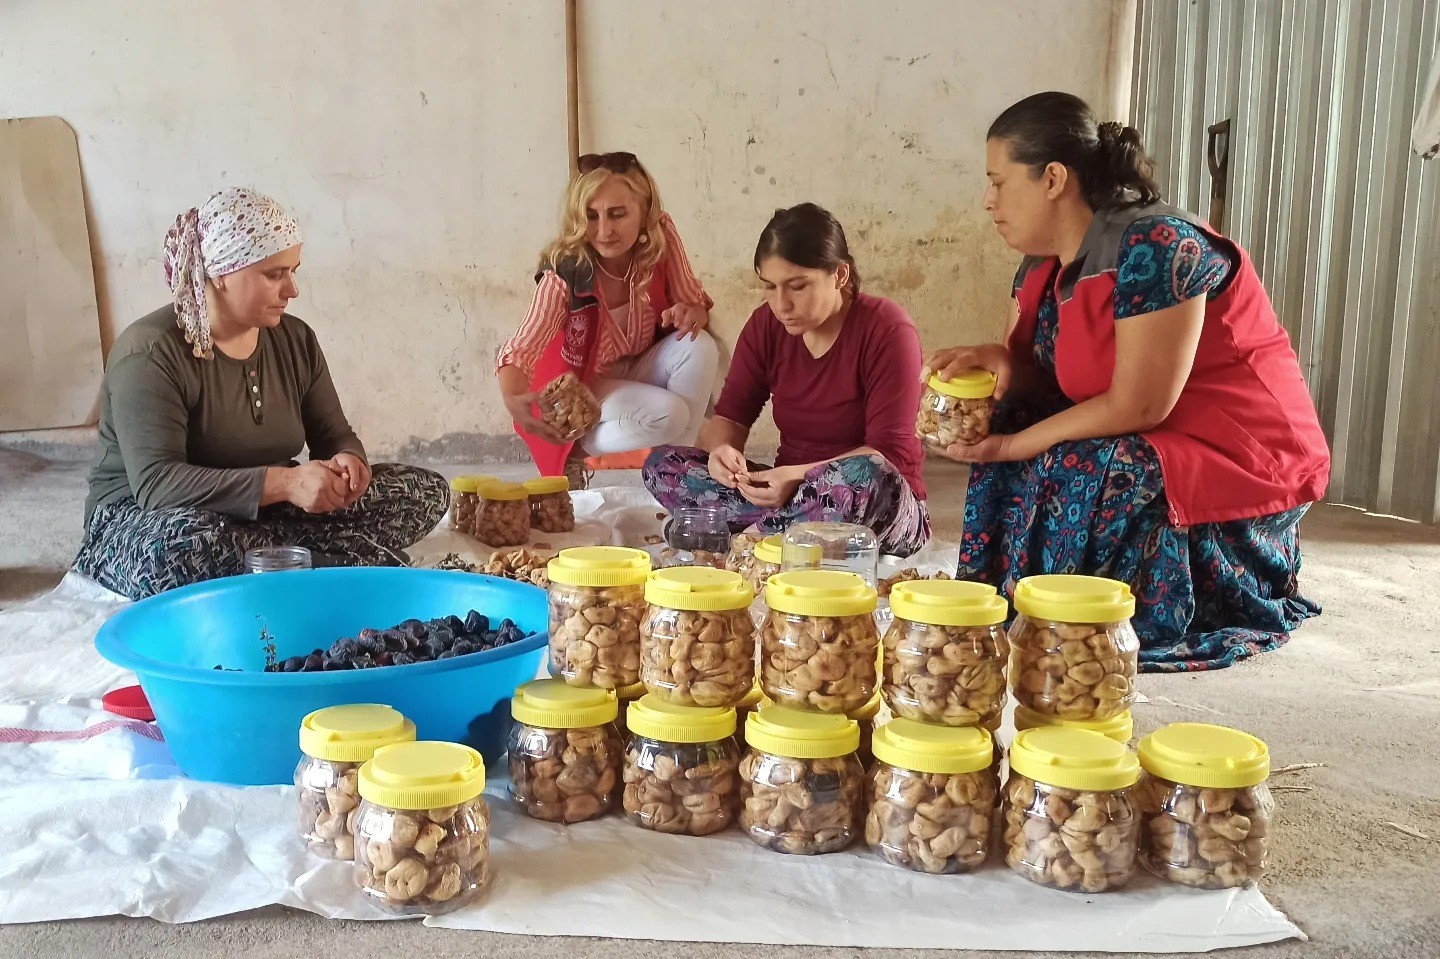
(571, 244)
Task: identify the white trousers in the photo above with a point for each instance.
(658, 398)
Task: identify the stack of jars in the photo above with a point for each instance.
(935, 783)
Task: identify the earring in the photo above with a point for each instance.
(644, 238)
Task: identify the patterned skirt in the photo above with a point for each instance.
(1206, 596)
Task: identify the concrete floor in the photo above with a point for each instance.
(1358, 690)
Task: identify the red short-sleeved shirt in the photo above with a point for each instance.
(863, 392)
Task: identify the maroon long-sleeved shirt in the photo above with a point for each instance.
(863, 392)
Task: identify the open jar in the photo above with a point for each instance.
(846, 547)
(335, 742)
(422, 833)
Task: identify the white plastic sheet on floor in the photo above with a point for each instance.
(97, 821)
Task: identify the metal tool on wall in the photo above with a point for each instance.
(1217, 158)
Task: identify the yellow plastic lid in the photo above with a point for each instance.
(630, 693)
(422, 775)
(794, 734)
(698, 588)
(867, 712)
(973, 384)
(933, 749)
(497, 490)
(600, 566)
(1210, 757)
(820, 592)
(1073, 759)
(1074, 599)
(469, 484)
(1119, 728)
(948, 603)
(654, 718)
(768, 549)
(547, 484)
(351, 734)
(554, 704)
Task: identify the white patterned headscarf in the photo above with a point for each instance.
(234, 229)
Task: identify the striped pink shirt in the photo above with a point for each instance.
(629, 335)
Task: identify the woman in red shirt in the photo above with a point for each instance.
(842, 369)
(1155, 426)
(610, 291)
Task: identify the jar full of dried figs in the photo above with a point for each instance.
(932, 796)
(819, 646)
(422, 833)
(956, 410)
(502, 517)
(1205, 808)
(1070, 816)
(551, 509)
(597, 602)
(945, 653)
(335, 742)
(802, 787)
(682, 768)
(464, 501)
(1073, 652)
(564, 751)
(697, 641)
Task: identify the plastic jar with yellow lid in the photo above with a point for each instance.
(682, 767)
(802, 787)
(945, 653)
(1070, 818)
(1073, 652)
(956, 410)
(335, 742)
(1204, 804)
(551, 509)
(932, 796)
(465, 502)
(819, 646)
(597, 602)
(502, 517)
(422, 833)
(1120, 728)
(697, 641)
(564, 751)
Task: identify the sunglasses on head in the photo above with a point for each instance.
(614, 162)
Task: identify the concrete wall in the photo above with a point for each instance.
(422, 147)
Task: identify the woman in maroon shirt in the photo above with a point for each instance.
(843, 371)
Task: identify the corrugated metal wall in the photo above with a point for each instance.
(1342, 220)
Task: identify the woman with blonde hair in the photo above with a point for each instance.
(617, 304)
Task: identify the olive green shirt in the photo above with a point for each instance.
(180, 431)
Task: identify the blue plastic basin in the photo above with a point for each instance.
(243, 727)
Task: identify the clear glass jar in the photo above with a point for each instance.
(1070, 818)
(276, 559)
(597, 601)
(1212, 830)
(819, 646)
(956, 410)
(334, 742)
(502, 514)
(464, 501)
(801, 805)
(932, 797)
(564, 751)
(1073, 652)
(697, 641)
(568, 406)
(551, 509)
(682, 768)
(845, 547)
(945, 653)
(422, 833)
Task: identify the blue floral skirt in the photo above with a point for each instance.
(1206, 596)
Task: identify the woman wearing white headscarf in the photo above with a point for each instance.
(205, 407)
